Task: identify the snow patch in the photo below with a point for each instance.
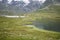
(11, 16)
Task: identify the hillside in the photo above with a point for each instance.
(38, 25)
(49, 16)
(15, 29)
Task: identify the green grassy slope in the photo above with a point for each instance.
(16, 29)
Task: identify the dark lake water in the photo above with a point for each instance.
(51, 26)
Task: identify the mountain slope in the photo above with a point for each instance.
(14, 29)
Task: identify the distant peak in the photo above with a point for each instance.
(27, 1)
